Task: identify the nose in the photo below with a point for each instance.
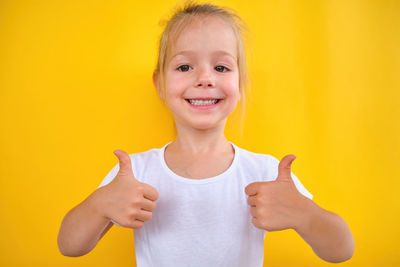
(205, 79)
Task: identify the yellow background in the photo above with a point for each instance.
(75, 84)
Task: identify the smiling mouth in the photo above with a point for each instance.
(199, 102)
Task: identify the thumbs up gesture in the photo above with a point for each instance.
(277, 205)
(127, 201)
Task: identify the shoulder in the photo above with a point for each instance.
(145, 161)
(262, 164)
(145, 158)
(139, 161)
(146, 155)
(254, 158)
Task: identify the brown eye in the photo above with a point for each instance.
(183, 68)
(221, 68)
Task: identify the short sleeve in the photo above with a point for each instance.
(301, 187)
(110, 176)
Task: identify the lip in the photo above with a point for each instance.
(203, 98)
(204, 107)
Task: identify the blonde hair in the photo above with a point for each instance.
(186, 14)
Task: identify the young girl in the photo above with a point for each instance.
(200, 200)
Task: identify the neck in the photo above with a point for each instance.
(194, 141)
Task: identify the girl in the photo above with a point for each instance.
(200, 200)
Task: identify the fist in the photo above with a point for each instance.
(127, 201)
(276, 205)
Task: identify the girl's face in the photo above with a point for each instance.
(202, 64)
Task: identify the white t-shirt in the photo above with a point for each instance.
(201, 222)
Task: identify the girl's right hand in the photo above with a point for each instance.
(125, 200)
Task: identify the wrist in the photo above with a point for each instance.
(97, 203)
(307, 211)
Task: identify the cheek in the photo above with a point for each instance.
(175, 84)
(232, 82)
(232, 87)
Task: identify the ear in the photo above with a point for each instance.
(156, 82)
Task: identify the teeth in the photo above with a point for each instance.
(203, 102)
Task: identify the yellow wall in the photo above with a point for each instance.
(75, 84)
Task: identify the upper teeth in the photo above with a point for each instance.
(202, 102)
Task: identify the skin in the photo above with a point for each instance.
(278, 205)
(275, 205)
(207, 73)
(125, 200)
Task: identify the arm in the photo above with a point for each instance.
(327, 233)
(82, 227)
(124, 200)
(278, 205)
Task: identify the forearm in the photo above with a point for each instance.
(81, 228)
(327, 233)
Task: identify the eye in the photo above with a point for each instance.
(221, 68)
(183, 68)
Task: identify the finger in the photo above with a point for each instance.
(125, 165)
(150, 193)
(284, 168)
(251, 200)
(253, 211)
(144, 215)
(256, 223)
(252, 188)
(148, 204)
(136, 224)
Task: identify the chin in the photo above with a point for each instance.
(206, 125)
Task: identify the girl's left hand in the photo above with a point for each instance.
(278, 205)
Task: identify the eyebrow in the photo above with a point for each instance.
(218, 52)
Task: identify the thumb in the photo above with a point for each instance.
(125, 165)
(284, 168)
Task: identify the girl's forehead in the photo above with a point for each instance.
(204, 34)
